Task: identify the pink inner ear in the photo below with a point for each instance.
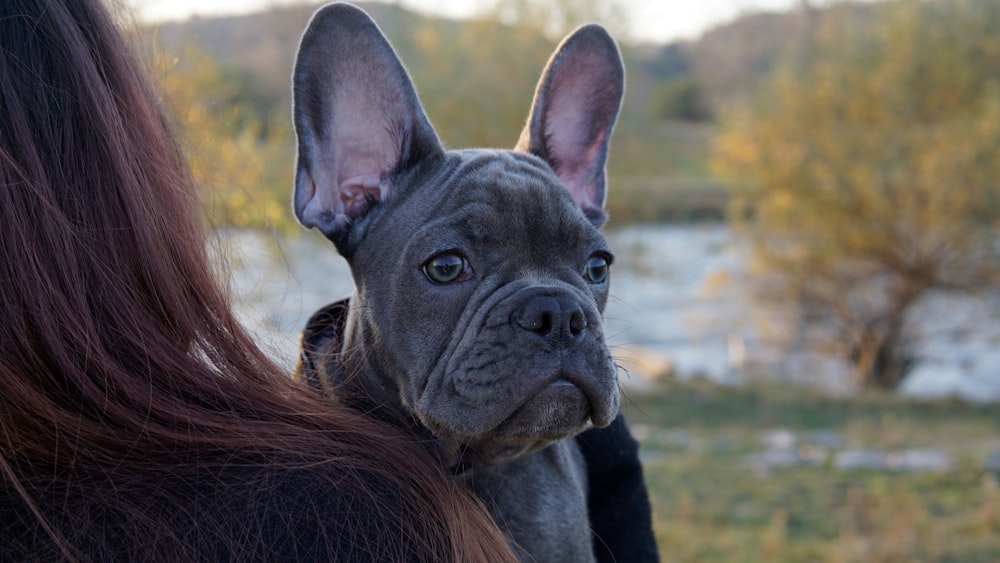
(574, 141)
(365, 149)
(577, 163)
(576, 166)
(355, 192)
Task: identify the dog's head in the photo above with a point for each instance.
(481, 277)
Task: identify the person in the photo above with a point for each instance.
(138, 421)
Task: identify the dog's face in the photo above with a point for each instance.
(481, 275)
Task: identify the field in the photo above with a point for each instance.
(778, 473)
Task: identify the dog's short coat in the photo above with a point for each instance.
(481, 276)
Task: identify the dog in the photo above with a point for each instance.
(481, 275)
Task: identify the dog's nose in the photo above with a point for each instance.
(558, 319)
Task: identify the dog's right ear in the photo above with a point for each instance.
(357, 120)
(574, 112)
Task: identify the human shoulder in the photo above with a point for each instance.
(238, 512)
(308, 513)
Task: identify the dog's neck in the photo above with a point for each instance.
(363, 379)
(336, 358)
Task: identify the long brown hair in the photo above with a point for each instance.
(122, 369)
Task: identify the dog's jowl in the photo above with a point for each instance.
(481, 275)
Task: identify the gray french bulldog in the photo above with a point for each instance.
(481, 276)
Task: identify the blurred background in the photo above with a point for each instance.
(804, 202)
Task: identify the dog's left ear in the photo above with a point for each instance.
(358, 121)
(574, 111)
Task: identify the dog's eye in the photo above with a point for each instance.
(597, 269)
(447, 268)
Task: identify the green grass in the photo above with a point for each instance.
(710, 506)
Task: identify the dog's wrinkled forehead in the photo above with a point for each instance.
(497, 194)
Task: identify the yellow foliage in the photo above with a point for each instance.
(871, 164)
(244, 176)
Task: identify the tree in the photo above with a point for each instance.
(870, 173)
(476, 78)
(240, 161)
(556, 18)
(683, 99)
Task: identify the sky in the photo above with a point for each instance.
(650, 20)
